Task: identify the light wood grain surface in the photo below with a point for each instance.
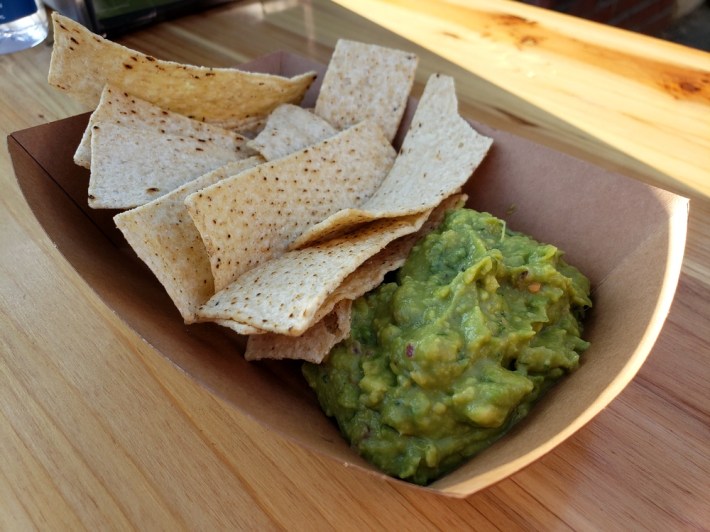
(99, 431)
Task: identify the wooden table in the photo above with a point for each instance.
(98, 430)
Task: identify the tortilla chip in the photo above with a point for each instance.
(288, 129)
(83, 62)
(163, 236)
(249, 218)
(438, 155)
(130, 167)
(121, 108)
(283, 295)
(240, 328)
(332, 321)
(313, 345)
(366, 82)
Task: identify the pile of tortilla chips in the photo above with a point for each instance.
(270, 232)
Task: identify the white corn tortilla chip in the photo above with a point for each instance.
(130, 167)
(283, 295)
(163, 236)
(313, 345)
(122, 108)
(249, 218)
(290, 128)
(366, 82)
(439, 153)
(83, 62)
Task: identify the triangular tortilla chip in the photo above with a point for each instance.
(283, 295)
(163, 236)
(366, 82)
(83, 62)
(122, 108)
(313, 345)
(438, 155)
(252, 217)
(290, 128)
(130, 167)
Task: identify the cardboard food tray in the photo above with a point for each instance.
(627, 237)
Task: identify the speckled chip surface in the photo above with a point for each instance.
(130, 167)
(83, 62)
(122, 108)
(366, 82)
(163, 236)
(252, 217)
(290, 128)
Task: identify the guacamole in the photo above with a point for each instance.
(447, 357)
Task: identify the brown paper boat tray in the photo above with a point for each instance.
(627, 237)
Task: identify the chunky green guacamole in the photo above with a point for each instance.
(478, 323)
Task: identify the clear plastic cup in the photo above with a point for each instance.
(23, 24)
